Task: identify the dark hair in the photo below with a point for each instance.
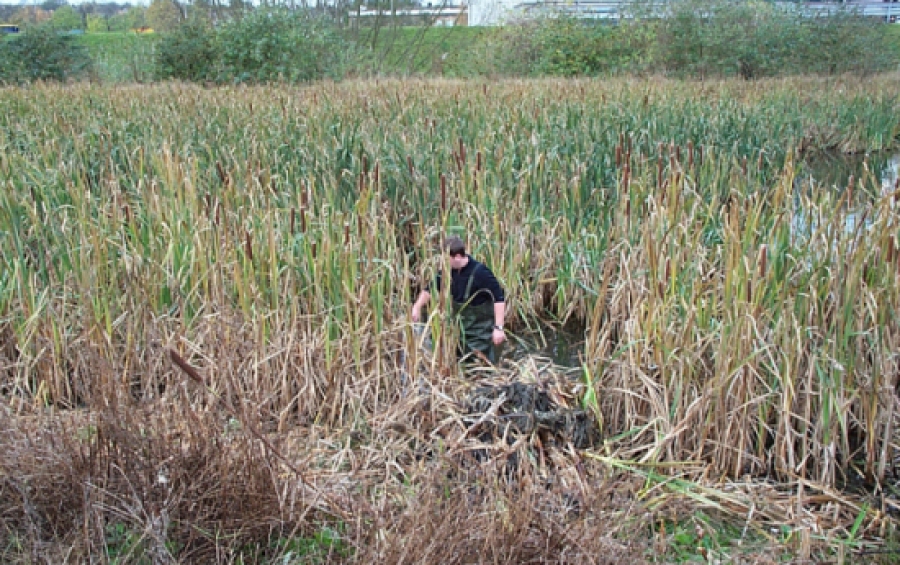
(455, 245)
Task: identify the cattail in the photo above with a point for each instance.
(462, 151)
(761, 262)
(618, 156)
(218, 211)
(248, 247)
(443, 193)
(484, 89)
(304, 196)
(359, 224)
(749, 291)
(302, 220)
(293, 218)
(223, 177)
(668, 270)
(184, 366)
(312, 249)
(479, 165)
(346, 234)
(409, 165)
(659, 172)
(361, 182)
(626, 177)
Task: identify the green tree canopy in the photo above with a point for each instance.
(66, 18)
(97, 23)
(134, 17)
(163, 15)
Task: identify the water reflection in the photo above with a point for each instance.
(833, 171)
(562, 345)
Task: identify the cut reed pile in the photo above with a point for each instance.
(738, 319)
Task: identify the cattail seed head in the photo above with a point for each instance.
(761, 262)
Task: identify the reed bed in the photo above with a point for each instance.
(737, 319)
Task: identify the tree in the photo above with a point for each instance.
(30, 15)
(66, 18)
(41, 54)
(134, 17)
(97, 23)
(163, 15)
(187, 53)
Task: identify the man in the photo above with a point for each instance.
(478, 302)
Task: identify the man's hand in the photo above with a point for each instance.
(421, 301)
(498, 336)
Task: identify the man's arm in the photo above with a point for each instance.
(498, 336)
(421, 301)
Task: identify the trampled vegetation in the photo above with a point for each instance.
(206, 351)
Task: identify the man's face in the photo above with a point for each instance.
(458, 261)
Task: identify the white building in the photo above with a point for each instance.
(491, 12)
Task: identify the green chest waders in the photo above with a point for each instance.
(476, 325)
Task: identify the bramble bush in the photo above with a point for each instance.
(42, 54)
(696, 38)
(187, 53)
(265, 45)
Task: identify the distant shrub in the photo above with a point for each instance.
(756, 38)
(187, 53)
(265, 45)
(694, 38)
(275, 44)
(42, 54)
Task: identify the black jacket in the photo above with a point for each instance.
(485, 287)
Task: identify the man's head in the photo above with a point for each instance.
(456, 248)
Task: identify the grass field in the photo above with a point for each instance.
(435, 51)
(206, 351)
(120, 57)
